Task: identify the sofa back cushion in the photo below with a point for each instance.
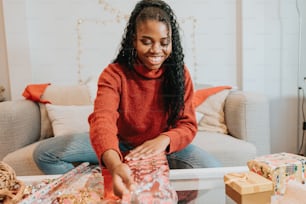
(67, 95)
(61, 95)
(69, 120)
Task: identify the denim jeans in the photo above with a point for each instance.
(57, 155)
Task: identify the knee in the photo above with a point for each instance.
(179, 164)
(42, 155)
(37, 154)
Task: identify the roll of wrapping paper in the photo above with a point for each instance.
(38, 196)
(71, 186)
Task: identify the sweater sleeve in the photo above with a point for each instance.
(103, 120)
(186, 128)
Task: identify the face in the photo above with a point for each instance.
(152, 43)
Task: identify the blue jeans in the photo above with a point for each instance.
(57, 155)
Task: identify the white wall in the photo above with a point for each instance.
(17, 45)
(249, 44)
(271, 64)
(48, 30)
(4, 80)
(302, 71)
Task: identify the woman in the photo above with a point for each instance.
(144, 99)
(143, 105)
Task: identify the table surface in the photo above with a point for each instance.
(208, 181)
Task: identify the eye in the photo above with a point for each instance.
(146, 41)
(165, 43)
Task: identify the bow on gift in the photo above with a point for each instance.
(244, 183)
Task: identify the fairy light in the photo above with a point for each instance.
(193, 21)
(80, 51)
(117, 12)
(118, 17)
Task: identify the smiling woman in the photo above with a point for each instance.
(144, 103)
(144, 99)
(245, 45)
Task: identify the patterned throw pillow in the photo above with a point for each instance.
(210, 103)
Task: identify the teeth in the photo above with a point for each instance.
(155, 59)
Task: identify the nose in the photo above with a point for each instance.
(156, 47)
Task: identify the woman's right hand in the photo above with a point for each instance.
(122, 180)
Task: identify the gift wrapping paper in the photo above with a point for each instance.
(39, 195)
(280, 168)
(83, 184)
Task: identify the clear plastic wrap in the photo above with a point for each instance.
(89, 185)
(84, 184)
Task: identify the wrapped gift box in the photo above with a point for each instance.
(248, 188)
(280, 168)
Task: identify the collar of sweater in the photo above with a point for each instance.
(145, 72)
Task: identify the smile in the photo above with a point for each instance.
(155, 59)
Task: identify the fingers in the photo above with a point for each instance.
(120, 188)
(143, 154)
(122, 180)
(149, 148)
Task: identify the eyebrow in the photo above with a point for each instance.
(148, 37)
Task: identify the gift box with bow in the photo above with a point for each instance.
(248, 188)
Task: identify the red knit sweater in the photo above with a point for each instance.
(129, 108)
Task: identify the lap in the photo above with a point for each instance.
(67, 146)
(192, 156)
(71, 147)
(61, 142)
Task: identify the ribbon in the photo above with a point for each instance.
(243, 178)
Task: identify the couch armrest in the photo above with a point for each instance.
(19, 125)
(247, 118)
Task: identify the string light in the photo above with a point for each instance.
(117, 12)
(80, 51)
(118, 17)
(193, 21)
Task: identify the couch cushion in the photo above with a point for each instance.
(67, 120)
(200, 95)
(67, 95)
(247, 118)
(19, 125)
(229, 150)
(61, 95)
(22, 161)
(212, 109)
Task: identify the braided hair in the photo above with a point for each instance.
(174, 79)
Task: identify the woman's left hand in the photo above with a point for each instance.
(149, 148)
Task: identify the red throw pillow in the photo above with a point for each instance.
(202, 94)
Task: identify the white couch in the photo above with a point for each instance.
(246, 118)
